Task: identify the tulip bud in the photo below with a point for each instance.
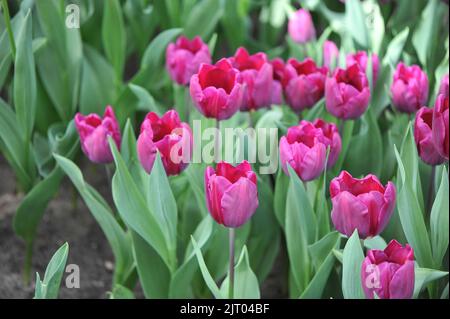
(362, 204)
(168, 135)
(301, 27)
(389, 273)
(183, 58)
(443, 88)
(231, 193)
(409, 88)
(278, 68)
(94, 132)
(304, 83)
(361, 58)
(347, 93)
(216, 90)
(330, 54)
(440, 125)
(304, 149)
(423, 135)
(257, 79)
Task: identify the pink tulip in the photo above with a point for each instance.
(347, 93)
(362, 204)
(409, 88)
(331, 138)
(231, 193)
(330, 54)
(94, 132)
(389, 273)
(361, 58)
(217, 90)
(257, 78)
(423, 136)
(278, 76)
(301, 27)
(440, 125)
(304, 83)
(184, 58)
(168, 135)
(304, 149)
(443, 88)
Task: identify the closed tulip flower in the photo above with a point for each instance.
(94, 132)
(440, 125)
(303, 148)
(168, 135)
(330, 54)
(331, 138)
(184, 57)
(278, 76)
(423, 135)
(409, 88)
(216, 90)
(304, 83)
(443, 88)
(301, 27)
(361, 59)
(347, 93)
(257, 79)
(389, 273)
(362, 204)
(231, 193)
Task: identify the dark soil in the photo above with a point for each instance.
(67, 219)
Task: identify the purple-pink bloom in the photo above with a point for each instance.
(301, 27)
(330, 54)
(443, 87)
(440, 125)
(361, 58)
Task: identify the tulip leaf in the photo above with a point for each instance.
(423, 276)
(376, 242)
(395, 48)
(281, 189)
(315, 288)
(352, 260)
(320, 249)
(356, 22)
(195, 177)
(49, 287)
(203, 18)
(121, 292)
(146, 100)
(346, 136)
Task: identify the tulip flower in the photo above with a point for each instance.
(331, 138)
(94, 132)
(440, 125)
(304, 83)
(409, 88)
(168, 135)
(330, 54)
(183, 58)
(389, 273)
(423, 135)
(278, 68)
(304, 149)
(301, 27)
(443, 87)
(362, 204)
(361, 58)
(216, 90)
(347, 93)
(231, 193)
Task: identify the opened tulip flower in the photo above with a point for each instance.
(347, 93)
(330, 54)
(168, 135)
(443, 87)
(301, 27)
(183, 58)
(361, 58)
(231, 193)
(304, 83)
(423, 135)
(362, 204)
(331, 138)
(278, 68)
(409, 88)
(440, 126)
(257, 79)
(216, 90)
(389, 273)
(94, 132)
(303, 148)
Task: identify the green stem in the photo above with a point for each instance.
(431, 189)
(231, 270)
(8, 27)
(27, 264)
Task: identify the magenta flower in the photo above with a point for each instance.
(183, 58)
(304, 83)
(231, 193)
(278, 68)
(389, 273)
(331, 138)
(361, 58)
(409, 88)
(347, 93)
(362, 204)
(168, 135)
(440, 125)
(301, 27)
(217, 90)
(443, 87)
(330, 54)
(94, 132)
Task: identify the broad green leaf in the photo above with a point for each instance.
(356, 22)
(196, 182)
(146, 100)
(321, 249)
(395, 48)
(352, 260)
(121, 292)
(315, 288)
(423, 276)
(280, 196)
(203, 18)
(346, 135)
(376, 242)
